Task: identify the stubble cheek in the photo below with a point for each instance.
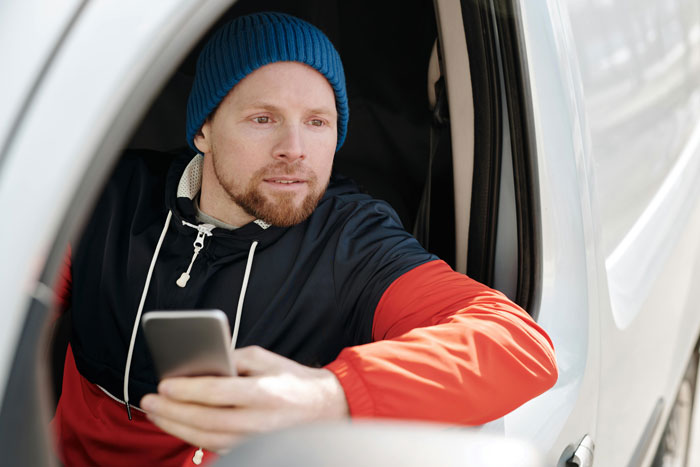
(327, 169)
(227, 175)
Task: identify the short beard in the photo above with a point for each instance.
(280, 211)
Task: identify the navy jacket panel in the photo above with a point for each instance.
(313, 288)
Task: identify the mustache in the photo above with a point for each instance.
(296, 169)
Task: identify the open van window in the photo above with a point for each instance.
(558, 115)
(398, 143)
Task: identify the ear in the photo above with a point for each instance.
(202, 140)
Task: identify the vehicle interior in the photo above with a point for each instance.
(437, 128)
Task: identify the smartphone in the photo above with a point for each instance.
(189, 343)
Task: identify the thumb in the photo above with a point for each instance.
(254, 361)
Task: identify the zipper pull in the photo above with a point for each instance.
(203, 231)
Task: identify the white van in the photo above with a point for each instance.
(550, 148)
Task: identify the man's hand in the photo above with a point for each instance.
(271, 392)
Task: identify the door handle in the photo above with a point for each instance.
(583, 456)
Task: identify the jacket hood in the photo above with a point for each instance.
(184, 182)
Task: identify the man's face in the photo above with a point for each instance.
(269, 146)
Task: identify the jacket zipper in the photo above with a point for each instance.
(203, 231)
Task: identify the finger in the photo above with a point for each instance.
(254, 360)
(213, 419)
(212, 390)
(201, 417)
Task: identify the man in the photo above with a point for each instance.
(342, 313)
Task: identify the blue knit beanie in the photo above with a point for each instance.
(249, 42)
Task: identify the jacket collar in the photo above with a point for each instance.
(184, 181)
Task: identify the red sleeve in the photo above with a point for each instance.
(62, 288)
(446, 349)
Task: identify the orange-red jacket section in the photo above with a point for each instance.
(448, 349)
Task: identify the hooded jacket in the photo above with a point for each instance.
(347, 288)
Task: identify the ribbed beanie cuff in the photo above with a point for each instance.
(250, 42)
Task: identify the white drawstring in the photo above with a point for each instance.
(203, 230)
(241, 297)
(130, 353)
(199, 453)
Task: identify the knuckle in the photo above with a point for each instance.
(247, 351)
(256, 350)
(218, 388)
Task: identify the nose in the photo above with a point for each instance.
(290, 145)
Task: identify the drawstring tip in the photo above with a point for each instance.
(198, 456)
(128, 411)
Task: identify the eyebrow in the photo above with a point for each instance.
(262, 105)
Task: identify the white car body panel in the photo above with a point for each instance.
(569, 297)
(637, 259)
(37, 25)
